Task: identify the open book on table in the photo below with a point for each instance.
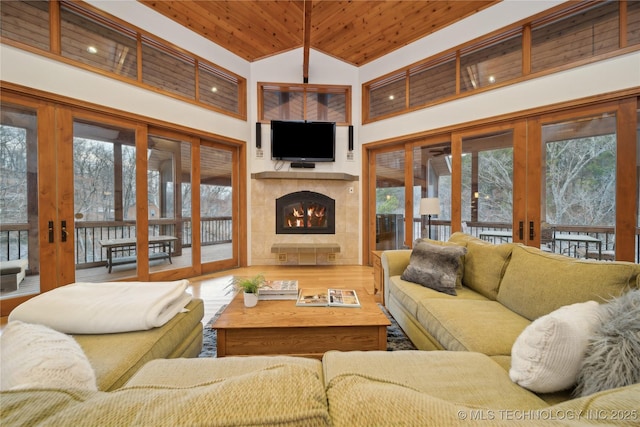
(329, 297)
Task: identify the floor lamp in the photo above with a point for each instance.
(430, 206)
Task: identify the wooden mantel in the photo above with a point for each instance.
(338, 176)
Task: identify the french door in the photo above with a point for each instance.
(583, 181)
(93, 197)
(28, 216)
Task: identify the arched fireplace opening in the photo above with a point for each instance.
(305, 212)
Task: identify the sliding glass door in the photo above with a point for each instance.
(390, 199)
(104, 198)
(217, 201)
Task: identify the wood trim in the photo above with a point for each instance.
(535, 192)
(64, 195)
(623, 17)
(240, 176)
(307, 5)
(408, 195)
(47, 193)
(520, 176)
(456, 182)
(526, 50)
(54, 28)
(626, 179)
(142, 201)
(7, 88)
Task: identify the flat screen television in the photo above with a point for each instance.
(299, 141)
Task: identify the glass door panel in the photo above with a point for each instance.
(432, 180)
(579, 185)
(216, 204)
(19, 202)
(169, 194)
(104, 180)
(487, 185)
(390, 199)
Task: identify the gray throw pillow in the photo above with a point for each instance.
(435, 266)
(613, 354)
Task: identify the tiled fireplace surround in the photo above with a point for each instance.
(267, 187)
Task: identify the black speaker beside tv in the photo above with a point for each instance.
(303, 141)
(258, 135)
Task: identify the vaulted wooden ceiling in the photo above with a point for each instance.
(356, 32)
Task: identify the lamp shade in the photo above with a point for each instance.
(430, 206)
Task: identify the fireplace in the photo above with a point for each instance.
(305, 212)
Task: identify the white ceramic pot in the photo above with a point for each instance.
(250, 300)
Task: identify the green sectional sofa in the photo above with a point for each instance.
(504, 291)
(404, 388)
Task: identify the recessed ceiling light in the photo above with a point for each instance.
(492, 79)
(391, 97)
(214, 89)
(92, 49)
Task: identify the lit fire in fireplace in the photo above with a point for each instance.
(305, 212)
(315, 215)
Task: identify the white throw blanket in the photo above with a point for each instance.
(108, 307)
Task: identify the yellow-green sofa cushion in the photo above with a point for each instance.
(485, 265)
(116, 357)
(463, 377)
(409, 293)
(487, 327)
(537, 283)
(283, 395)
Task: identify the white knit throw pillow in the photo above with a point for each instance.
(36, 356)
(548, 354)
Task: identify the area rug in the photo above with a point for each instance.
(396, 338)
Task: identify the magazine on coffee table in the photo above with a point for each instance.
(279, 290)
(330, 297)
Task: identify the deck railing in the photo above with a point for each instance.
(441, 230)
(14, 238)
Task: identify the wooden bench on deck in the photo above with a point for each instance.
(121, 245)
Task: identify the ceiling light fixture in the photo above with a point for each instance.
(92, 50)
(391, 97)
(214, 89)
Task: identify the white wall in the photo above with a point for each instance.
(287, 68)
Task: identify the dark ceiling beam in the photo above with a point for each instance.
(306, 40)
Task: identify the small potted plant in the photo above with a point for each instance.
(250, 286)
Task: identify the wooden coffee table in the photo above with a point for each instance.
(280, 327)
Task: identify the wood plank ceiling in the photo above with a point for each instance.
(356, 32)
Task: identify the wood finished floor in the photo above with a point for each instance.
(212, 288)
